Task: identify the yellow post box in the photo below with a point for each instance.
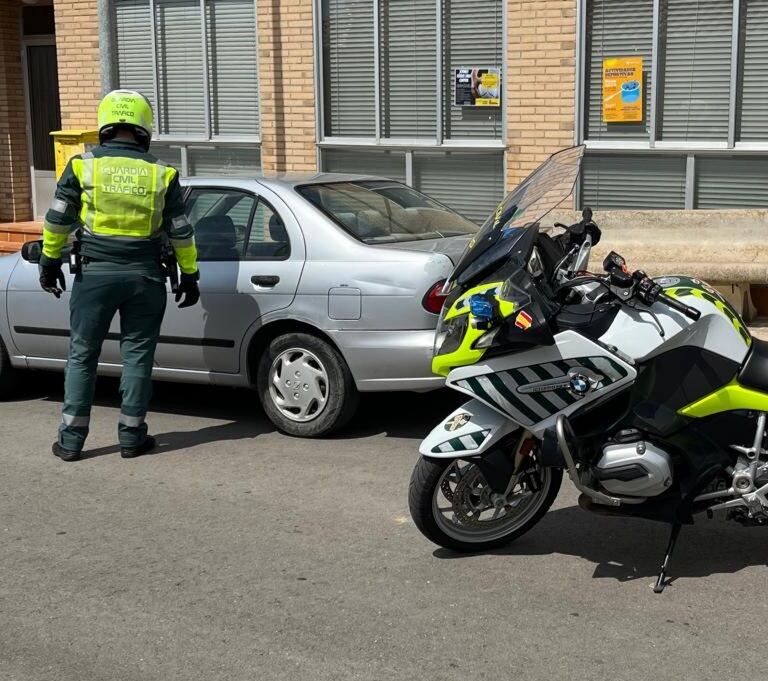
(68, 143)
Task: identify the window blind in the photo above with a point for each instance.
(472, 37)
(134, 47)
(612, 31)
(348, 66)
(178, 26)
(754, 97)
(170, 155)
(633, 182)
(232, 67)
(389, 164)
(471, 184)
(696, 72)
(731, 182)
(237, 162)
(408, 68)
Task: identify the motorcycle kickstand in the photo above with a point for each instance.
(661, 582)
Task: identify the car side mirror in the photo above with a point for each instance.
(31, 251)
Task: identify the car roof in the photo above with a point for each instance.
(287, 180)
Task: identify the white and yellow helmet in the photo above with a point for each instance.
(126, 107)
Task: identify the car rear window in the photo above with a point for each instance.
(378, 211)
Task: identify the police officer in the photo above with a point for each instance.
(123, 203)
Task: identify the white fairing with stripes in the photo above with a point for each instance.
(533, 387)
(470, 430)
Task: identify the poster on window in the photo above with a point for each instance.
(623, 90)
(475, 86)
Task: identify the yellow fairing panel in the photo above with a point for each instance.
(730, 397)
(465, 354)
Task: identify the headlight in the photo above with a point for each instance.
(486, 340)
(449, 334)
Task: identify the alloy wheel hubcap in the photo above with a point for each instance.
(298, 384)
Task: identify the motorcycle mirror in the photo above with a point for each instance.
(586, 214)
(613, 261)
(32, 250)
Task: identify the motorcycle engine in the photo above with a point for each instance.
(633, 467)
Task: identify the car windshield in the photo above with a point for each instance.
(542, 191)
(384, 211)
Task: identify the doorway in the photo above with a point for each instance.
(41, 82)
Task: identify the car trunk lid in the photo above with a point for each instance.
(452, 246)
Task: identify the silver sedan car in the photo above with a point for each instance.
(314, 289)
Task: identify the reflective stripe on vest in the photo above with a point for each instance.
(122, 197)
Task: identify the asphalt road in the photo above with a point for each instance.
(235, 552)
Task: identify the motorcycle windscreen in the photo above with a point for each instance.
(522, 209)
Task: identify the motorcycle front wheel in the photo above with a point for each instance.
(453, 505)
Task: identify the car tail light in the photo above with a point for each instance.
(434, 298)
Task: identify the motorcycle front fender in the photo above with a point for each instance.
(471, 430)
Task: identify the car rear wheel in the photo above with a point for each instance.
(305, 386)
(8, 374)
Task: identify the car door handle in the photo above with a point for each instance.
(265, 280)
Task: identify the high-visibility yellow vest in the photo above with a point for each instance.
(122, 197)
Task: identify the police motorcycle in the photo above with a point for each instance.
(650, 393)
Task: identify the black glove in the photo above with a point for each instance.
(189, 289)
(52, 279)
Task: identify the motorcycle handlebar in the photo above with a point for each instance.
(682, 308)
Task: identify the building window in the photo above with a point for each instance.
(348, 64)
(197, 64)
(731, 182)
(388, 101)
(472, 183)
(704, 133)
(408, 80)
(614, 182)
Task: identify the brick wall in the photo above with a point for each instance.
(540, 82)
(15, 187)
(286, 78)
(77, 51)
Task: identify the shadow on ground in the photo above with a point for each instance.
(400, 415)
(629, 549)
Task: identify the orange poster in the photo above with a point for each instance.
(623, 90)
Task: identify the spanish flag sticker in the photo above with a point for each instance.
(523, 320)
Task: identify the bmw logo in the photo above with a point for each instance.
(579, 384)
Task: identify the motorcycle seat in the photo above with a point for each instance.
(754, 371)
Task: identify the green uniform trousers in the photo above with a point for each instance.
(96, 297)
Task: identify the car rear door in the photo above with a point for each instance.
(39, 322)
(251, 253)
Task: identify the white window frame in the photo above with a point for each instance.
(185, 140)
(409, 145)
(688, 148)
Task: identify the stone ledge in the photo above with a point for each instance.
(22, 227)
(719, 246)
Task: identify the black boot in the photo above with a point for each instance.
(131, 452)
(64, 454)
